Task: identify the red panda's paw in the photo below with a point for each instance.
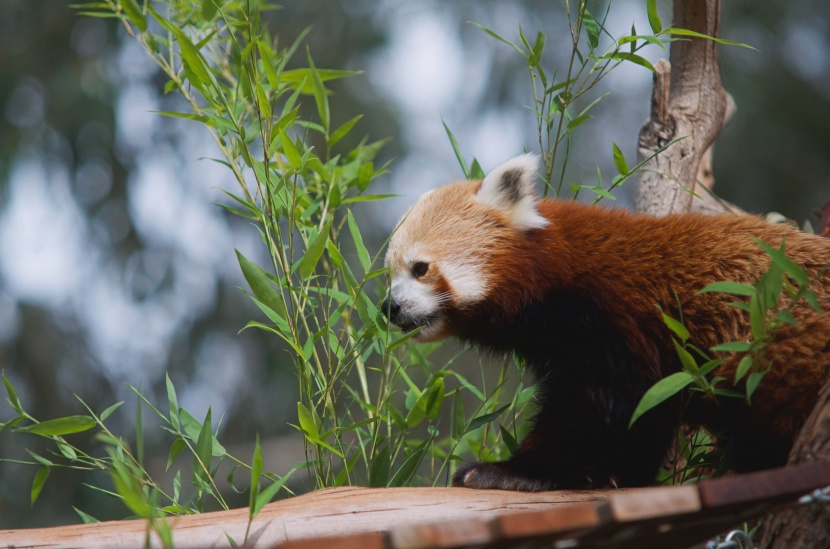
(497, 476)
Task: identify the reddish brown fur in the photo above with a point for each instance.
(616, 253)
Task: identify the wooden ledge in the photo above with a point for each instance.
(416, 518)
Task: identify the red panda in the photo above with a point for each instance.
(576, 292)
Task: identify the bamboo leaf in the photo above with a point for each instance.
(37, 484)
(653, 16)
(314, 251)
(619, 160)
(661, 391)
(362, 252)
(61, 426)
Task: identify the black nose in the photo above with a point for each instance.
(391, 309)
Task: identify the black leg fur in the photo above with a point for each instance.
(588, 385)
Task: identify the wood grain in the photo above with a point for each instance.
(325, 513)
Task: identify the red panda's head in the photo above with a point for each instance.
(441, 254)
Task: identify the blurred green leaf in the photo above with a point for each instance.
(134, 14)
(38, 482)
(61, 426)
(661, 391)
(619, 160)
(653, 16)
(314, 251)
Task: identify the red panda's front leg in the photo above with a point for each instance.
(567, 452)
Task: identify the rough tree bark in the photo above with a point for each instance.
(690, 105)
(805, 526)
(688, 110)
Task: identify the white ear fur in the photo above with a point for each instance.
(510, 187)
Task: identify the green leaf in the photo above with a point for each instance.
(485, 419)
(734, 288)
(172, 402)
(592, 28)
(189, 116)
(262, 100)
(362, 252)
(403, 476)
(500, 39)
(457, 413)
(292, 154)
(134, 14)
(676, 326)
(209, 9)
(194, 430)
(261, 285)
(320, 96)
(266, 495)
(634, 58)
(341, 132)
(577, 121)
(686, 359)
(204, 450)
(661, 391)
(780, 258)
(367, 198)
(509, 440)
(66, 450)
(61, 426)
(87, 519)
(128, 488)
(687, 32)
(256, 471)
(743, 368)
(343, 476)
(757, 317)
(176, 450)
(37, 485)
(436, 399)
(301, 79)
(619, 160)
(457, 150)
(653, 16)
(194, 64)
(314, 251)
(13, 399)
(106, 413)
(307, 423)
(732, 347)
(538, 48)
(379, 470)
(476, 172)
(752, 382)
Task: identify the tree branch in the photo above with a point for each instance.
(689, 107)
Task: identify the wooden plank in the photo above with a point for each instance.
(471, 532)
(331, 512)
(638, 505)
(783, 484)
(372, 540)
(549, 522)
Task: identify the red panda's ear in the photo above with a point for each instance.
(510, 187)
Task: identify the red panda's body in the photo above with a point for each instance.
(577, 292)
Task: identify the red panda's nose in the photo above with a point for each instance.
(391, 309)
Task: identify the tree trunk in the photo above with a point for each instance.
(689, 108)
(806, 526)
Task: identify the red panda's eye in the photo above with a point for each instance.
(419, 269)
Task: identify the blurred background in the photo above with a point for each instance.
(117, 266)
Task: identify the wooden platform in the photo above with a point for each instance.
(415, 518)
